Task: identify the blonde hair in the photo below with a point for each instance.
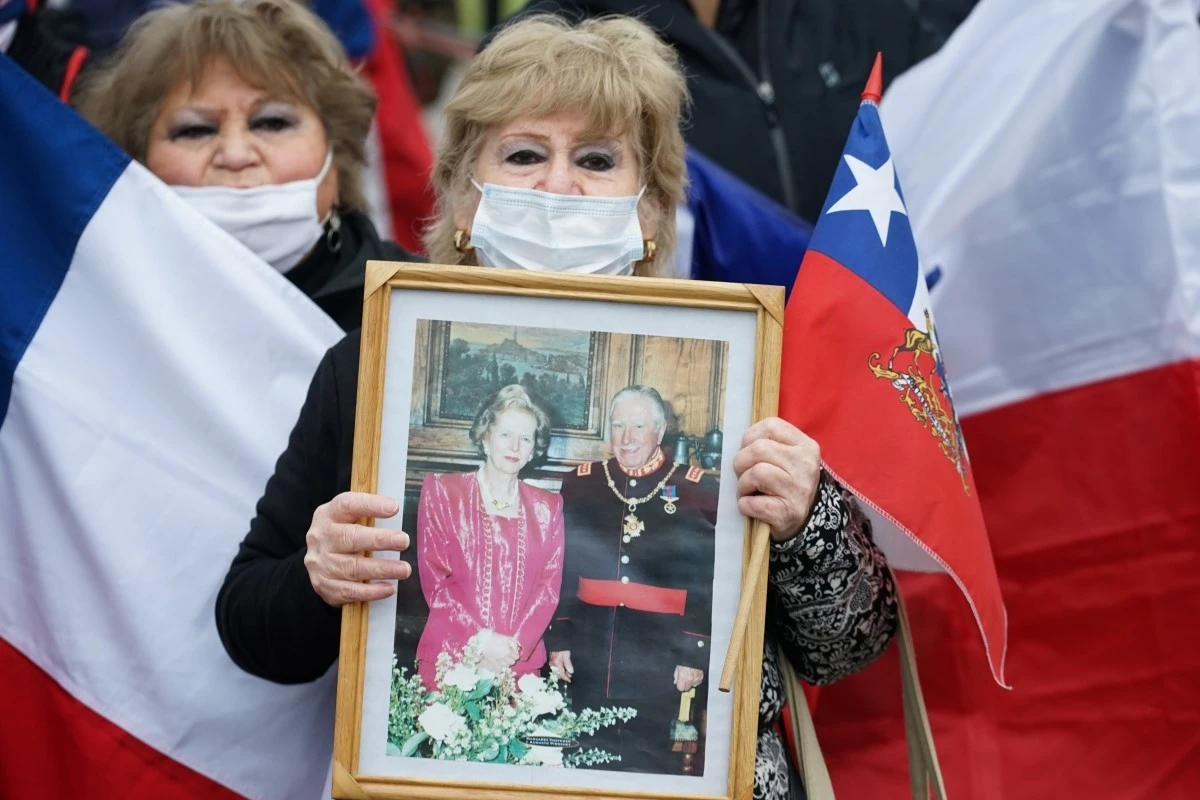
(507, 398)
(613, 70)
(278, 46)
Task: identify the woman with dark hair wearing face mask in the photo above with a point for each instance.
(562, 153)
(252, 113)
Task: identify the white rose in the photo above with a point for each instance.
(531, 684)
(537, 696)
(440, 722)
(461, 677)
(546, 703)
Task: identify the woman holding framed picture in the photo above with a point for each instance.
(562, 154)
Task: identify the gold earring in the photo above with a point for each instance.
(462, 241)
(651, 247)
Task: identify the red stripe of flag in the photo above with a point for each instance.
(1092, 500)
(53, 746)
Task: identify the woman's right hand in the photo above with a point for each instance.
(500, 652)
(336, 542)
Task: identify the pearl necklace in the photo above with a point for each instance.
(499, 505)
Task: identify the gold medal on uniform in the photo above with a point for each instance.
(633, 526)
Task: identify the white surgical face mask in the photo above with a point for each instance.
(528, 229)
(277, 222)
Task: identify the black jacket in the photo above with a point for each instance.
(333, 278)
(270, 619)
(776, 86)
(675, 555)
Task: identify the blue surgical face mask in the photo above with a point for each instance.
(544, 232)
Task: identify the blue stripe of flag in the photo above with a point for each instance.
(10, 10)
(850, 238)
(55, 170)
(741, 234)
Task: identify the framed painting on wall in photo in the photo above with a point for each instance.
(561, 447)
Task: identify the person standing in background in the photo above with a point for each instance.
(57, 45)
(775, 84)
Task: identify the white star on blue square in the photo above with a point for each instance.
(865, 225)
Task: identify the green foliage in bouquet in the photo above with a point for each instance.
(407, 701)
(474, 714)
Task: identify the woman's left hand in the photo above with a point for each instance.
(779, 470)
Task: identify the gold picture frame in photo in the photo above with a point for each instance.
(424, 709)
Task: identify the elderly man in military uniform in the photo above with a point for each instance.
(634, 620)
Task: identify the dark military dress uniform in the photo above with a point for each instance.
(636, 597)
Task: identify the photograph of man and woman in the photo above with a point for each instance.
(562, 487)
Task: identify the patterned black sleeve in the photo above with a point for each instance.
(832, 600)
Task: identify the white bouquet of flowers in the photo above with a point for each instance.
(476, 714)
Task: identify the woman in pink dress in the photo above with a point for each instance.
(490, 546)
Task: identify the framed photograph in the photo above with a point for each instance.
(561, 447)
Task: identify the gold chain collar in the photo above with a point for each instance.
(634, 502)
(633, 526)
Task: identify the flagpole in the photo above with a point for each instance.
(760, 549)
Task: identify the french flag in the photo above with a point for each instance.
(150, 371)
(863, 375)
(1050, 154)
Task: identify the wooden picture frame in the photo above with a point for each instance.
(723, 375)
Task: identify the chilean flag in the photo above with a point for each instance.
(1051, 162)
(150, 370)
(863, 375)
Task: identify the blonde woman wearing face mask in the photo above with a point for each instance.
(562, 152)
(252, 114)
(559, 156)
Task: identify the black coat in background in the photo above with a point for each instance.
(776, 86)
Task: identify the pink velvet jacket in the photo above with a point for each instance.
(482, 572)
